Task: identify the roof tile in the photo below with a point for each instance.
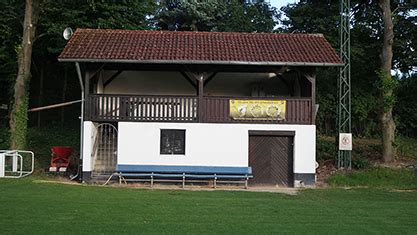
(145, 46)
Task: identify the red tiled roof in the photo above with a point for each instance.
(140, 46)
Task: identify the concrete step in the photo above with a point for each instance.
(104, 168)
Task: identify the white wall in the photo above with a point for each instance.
(208, 144)
(89, 132)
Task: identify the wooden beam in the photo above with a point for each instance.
(281, 70)
(310, 75)
(280, 77)
(193, 67)
(108, 81)
(185, 75)
(199, 77)
(87, 111)
(52, 106)
(96, 71)
(200, 98)
(209, 78)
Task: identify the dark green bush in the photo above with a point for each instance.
(326, 149)
(360, 163)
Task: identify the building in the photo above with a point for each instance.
(200, 99)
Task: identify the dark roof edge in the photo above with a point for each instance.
(220, 62)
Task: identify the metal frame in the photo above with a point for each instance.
(16, 155)
(106, 149)
(344, 125)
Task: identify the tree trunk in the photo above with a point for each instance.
(387, 121)
(19, 116)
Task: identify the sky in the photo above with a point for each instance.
(279, 3)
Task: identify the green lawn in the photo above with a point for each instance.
(29, 206)
(377, 177)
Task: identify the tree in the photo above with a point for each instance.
(216, 15)
(310, 16)
(248, 17)
(387, 83)
(19, 117)
(10, 31)
(190, 15)
(406, 106)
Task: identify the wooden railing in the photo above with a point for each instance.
(298, 110)
(141, 108)
(104, 107)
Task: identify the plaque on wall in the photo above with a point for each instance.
(257, 109)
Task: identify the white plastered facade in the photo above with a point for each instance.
(205, 145)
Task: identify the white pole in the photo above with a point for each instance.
(15, 161)
(80, 78)
(1, 165)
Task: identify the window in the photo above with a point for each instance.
(172, 141)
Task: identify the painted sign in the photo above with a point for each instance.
(345, 141)
(257, 109)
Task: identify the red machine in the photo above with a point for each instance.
(60, 158)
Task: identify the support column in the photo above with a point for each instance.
(86, 96)
(200, 93)
(311, 77)
(200, 78)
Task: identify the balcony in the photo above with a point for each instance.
(211, 109)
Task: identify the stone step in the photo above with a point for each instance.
(104, 168)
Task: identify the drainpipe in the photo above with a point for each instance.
(80, 168)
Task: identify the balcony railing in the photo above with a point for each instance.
(298, 110)
(142, 108)
(105, 107)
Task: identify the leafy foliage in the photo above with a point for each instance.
(216, 15)
(10, 34)
(307, 16)
(406, 106)
(323, 17)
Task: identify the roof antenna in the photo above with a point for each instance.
(67, 33)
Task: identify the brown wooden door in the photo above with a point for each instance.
(271, 159)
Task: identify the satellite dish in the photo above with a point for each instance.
(67, 33)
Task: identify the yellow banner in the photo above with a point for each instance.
(257, 109)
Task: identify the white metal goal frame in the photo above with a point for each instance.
(18, 170)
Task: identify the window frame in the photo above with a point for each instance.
(174, 135)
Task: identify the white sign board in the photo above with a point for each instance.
(345, 141)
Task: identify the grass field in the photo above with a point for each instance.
(379, 177)
(29, 206)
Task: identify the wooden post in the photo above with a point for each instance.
(202, 79)
(200, 97)
(313, 99)
(311, 77)
(200, 93)
(86, 96)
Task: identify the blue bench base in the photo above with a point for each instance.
(153, 172)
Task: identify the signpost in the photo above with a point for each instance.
(344, 157)
(345, 141)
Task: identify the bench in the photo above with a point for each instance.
(152, 172)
